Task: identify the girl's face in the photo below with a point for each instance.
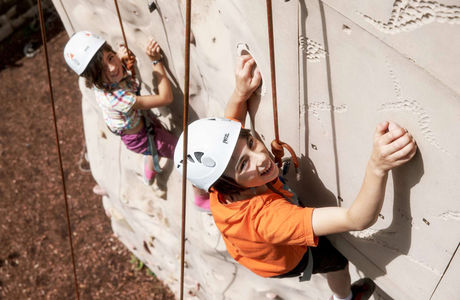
(251, 165)
(113, 68)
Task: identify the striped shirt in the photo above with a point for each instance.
(116, 103)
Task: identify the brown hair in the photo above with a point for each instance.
(94, 70)
(225, 184)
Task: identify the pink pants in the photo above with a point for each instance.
(139, 142)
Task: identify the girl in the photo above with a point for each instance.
(263, 230)
(125, 112)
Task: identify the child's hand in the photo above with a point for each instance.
(153, 50)
(393, 146)
(247, 77)
(126, 57)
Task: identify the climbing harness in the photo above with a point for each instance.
(50, 86)
(150, 128)
(276, 145)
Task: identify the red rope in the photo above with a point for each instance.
(131, 59)
(276, 145)
(185, 141)
(69, 230)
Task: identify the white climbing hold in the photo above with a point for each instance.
(243, 49)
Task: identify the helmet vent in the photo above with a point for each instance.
(189, 158)
(198, 156)
(209, 162)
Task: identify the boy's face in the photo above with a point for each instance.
(251, 165)
(113, 68)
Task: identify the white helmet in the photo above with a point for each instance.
(80, 49)
(211, 142)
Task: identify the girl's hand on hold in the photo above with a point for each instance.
(153, 50)
(247, 77)
(393, 146)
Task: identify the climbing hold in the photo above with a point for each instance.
(146, 247)
(243, 49)
(152, 5)
(271, 295)
(346, 29)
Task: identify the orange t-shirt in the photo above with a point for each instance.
(266, 234)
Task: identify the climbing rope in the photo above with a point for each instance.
(185, 134)
(131, 59)
(276, 145)
(130, 66)
(69, 230)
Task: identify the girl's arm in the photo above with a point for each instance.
(391, 149)
(247, 79)
(164, 96)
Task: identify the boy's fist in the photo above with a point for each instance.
(393, 146)
(247, 76)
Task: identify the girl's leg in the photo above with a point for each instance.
(340, 282)
(149, 173)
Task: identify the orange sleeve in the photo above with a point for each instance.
(280, 222)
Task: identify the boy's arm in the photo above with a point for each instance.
(164, 96)
(391, 149)
(247, 79)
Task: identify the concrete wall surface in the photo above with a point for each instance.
(341, 67)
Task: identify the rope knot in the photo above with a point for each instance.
(278, 152)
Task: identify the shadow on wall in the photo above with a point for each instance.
(175, 111)
(176, 108)
(396, 239)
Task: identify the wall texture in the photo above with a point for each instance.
(341, 68)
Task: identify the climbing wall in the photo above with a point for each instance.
(341, 68)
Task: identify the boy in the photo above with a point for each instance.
(261, 228)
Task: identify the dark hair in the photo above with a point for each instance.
(225, 184)
(94, 70)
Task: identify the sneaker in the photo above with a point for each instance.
(362, 289)
(149, 175)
